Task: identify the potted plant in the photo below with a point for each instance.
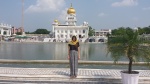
(131, 46)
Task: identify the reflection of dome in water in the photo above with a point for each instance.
(71, 10)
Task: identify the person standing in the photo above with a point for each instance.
(73, 56)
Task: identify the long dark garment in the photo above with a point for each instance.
(73, 63)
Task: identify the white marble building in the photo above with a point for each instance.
(100, 36)
(64, 32)
(5, 30)
(102, 33)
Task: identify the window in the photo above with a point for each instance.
(66, 36)
(57, 31)
(80, 36)
(62, 36)
(58, 36)
(70, 31)
(83, 31)
(76, 31)
(79, 31)
(0, 31)
(66, 31)
(70, 36)
(61, 31)
(4, 32)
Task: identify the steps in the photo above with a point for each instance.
(59, 80)
(61, 76)
(65, 80)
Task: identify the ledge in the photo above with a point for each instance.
(67, 61)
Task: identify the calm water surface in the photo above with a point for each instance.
(51, 51)
(56, 51)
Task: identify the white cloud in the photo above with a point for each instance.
(125, 3)
(148, 8)
(46, 6)
(62, 16)
(101, 14)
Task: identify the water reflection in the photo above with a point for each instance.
(51, 51)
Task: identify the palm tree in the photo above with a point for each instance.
(129, 45)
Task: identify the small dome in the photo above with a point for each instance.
(71, 10)
(56, 21)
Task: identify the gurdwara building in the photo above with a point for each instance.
(64, 32)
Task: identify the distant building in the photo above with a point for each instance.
(5, 30)
(14, 30)
(64, 32)
(100, 36)
(102, 32)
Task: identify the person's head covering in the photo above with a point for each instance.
(73, 42)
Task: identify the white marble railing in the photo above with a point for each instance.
(5, 25)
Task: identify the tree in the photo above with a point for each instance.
(29, 32)
(18, 33)
(118, 31)
(144, 30)
(129, 45)
(41, 31)
(140, 30)
(91, 31)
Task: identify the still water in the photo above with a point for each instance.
(51, 51)
(56, 51)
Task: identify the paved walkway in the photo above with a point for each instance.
(62, 74)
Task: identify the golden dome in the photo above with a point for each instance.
(71, 10)
(56, 21)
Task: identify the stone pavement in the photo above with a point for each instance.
(61, 76)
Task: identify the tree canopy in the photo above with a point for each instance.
(129, 45)
(18, 33)
(39, 31)
(121, 30)
(144, 30)
(91, 31)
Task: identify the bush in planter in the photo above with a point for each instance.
(129, 45)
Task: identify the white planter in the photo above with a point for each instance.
(130, 78)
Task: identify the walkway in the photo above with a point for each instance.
(61, 76)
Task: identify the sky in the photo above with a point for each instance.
(100, 14)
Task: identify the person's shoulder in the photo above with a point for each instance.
(69, 43)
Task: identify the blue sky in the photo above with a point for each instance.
(100, 14)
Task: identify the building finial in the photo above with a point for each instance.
(71, 4)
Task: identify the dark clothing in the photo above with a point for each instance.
(74, 47)
(73, 63)
(73, 53)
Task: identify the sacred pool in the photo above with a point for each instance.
(56, 51)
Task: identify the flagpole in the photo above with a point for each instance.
(22, 24)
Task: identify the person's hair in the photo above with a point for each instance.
(74, 37)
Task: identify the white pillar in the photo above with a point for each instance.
(7, 32)
(68, 34)
(53, 29)
(56, 34)
(10, 32)
(2, 31)
(86, 35)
